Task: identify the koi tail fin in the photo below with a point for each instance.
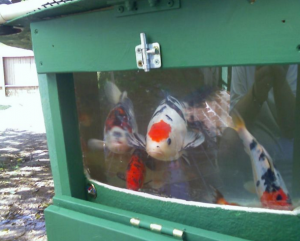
(237, 120)
(219, 198)
(114, 95)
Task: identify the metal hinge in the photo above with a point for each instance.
(157, 228)
(147, 55)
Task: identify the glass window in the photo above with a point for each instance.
(214, 135)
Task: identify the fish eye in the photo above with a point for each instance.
(169, 141)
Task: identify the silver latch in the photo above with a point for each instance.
(147, 55)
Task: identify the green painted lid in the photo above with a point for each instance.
(9, 31)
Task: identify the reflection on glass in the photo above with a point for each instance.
(191, 134)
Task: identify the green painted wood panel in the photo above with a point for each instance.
(242, 224)
(200, 33)
(296, 163)
(63, 224)
(58, 102)
(123, 217)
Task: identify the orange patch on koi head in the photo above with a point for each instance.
(160, 131)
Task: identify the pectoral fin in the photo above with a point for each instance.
(136, 140)
(250, 187)
(95, 144)
(185, 158)
(193, 139)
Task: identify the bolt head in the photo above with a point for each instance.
(170, 3)
(120, 9)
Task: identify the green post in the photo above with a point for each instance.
(61, 120)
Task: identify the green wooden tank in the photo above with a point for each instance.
(79, 44)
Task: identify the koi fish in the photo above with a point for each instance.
(219, 198)
(167, 134)
(119, 123)
(269, 184)
(136, 171)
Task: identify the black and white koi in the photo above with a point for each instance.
(269, 184)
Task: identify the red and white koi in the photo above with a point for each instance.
(167, 134)
(269, 184)
(119, 124)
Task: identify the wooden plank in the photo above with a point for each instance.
(200, 33)
(296, 161)
(2, 79)
(58, 101)
(20, 71)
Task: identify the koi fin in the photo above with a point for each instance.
(193, 139)
(113, 93)
(136, 140)
(186, 159)
(219, 198)
(250, 187)
(237, 120)
(95, 144)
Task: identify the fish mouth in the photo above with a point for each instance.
(155, 153)
(117, 143)
(118, 147)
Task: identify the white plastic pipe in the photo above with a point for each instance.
(11, 11)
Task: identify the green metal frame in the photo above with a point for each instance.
(199, 33)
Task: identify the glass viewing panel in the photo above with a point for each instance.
(214, 135)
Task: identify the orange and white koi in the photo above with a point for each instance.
(269, 184)
(167, 134)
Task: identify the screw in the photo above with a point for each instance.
(139, 50)
(91, 190)
(121, 9)
(156, 61)
(36, 31)
(170, 3)
(41, 63)
(140, 63)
